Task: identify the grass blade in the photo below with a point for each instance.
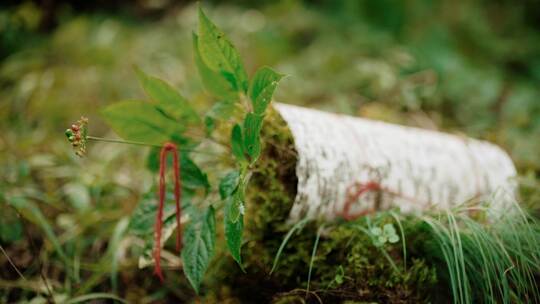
(296, 227)
(313, 253)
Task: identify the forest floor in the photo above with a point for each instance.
(460, 70)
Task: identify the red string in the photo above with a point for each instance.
(167, 147)
(357, 189)
(353, 193)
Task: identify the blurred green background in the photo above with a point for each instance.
(469, 67)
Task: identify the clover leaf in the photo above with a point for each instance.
(386, 234)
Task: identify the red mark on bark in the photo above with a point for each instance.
(167, 147)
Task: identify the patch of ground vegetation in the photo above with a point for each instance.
(466, 72)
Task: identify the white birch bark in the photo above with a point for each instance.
(417, 169)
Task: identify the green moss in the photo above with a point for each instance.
(347, 266)
(363, 272)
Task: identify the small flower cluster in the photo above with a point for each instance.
(77, 136)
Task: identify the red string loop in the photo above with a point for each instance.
(353, 193)
(356, 190)
(167, 147)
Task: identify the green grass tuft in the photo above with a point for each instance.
(485, 262)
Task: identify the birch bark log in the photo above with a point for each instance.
(413, 169)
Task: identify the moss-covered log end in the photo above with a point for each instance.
(346, 267)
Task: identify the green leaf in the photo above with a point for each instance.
(199, 242)
(252, 130)
(142, 220)
(143, 217)
(11, 228)
(222, 110)
(218, 53)
(393, 238)
(237, 144)
(192, 175)
(234, 230)
(228, 184)
(140, 121)
(376, 231)
(183, 143)
(339, 275)
(235, 206)
(209, 125)
(389, 229)
(262, 88)
(379, 241)
(169, 226)
(213, 81)
(167, 99)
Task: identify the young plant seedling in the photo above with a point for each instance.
(164, 121)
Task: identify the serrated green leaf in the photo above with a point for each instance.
(143, 217)
(199, 243)
(142, 222)
(167, 99)
(192, 175)
(169, 226)
(214, 82)
(235, 206)
(234, 230)
(140, 121)
(228, 184)
(237, 143)
(261, 102)
(262, 88)
(184, 144)
(218, 53)
(252, 129)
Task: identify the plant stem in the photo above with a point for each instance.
(139, 143)
(11, 263)
(119, 141)
(387, 256)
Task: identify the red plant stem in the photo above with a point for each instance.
(167, 147)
